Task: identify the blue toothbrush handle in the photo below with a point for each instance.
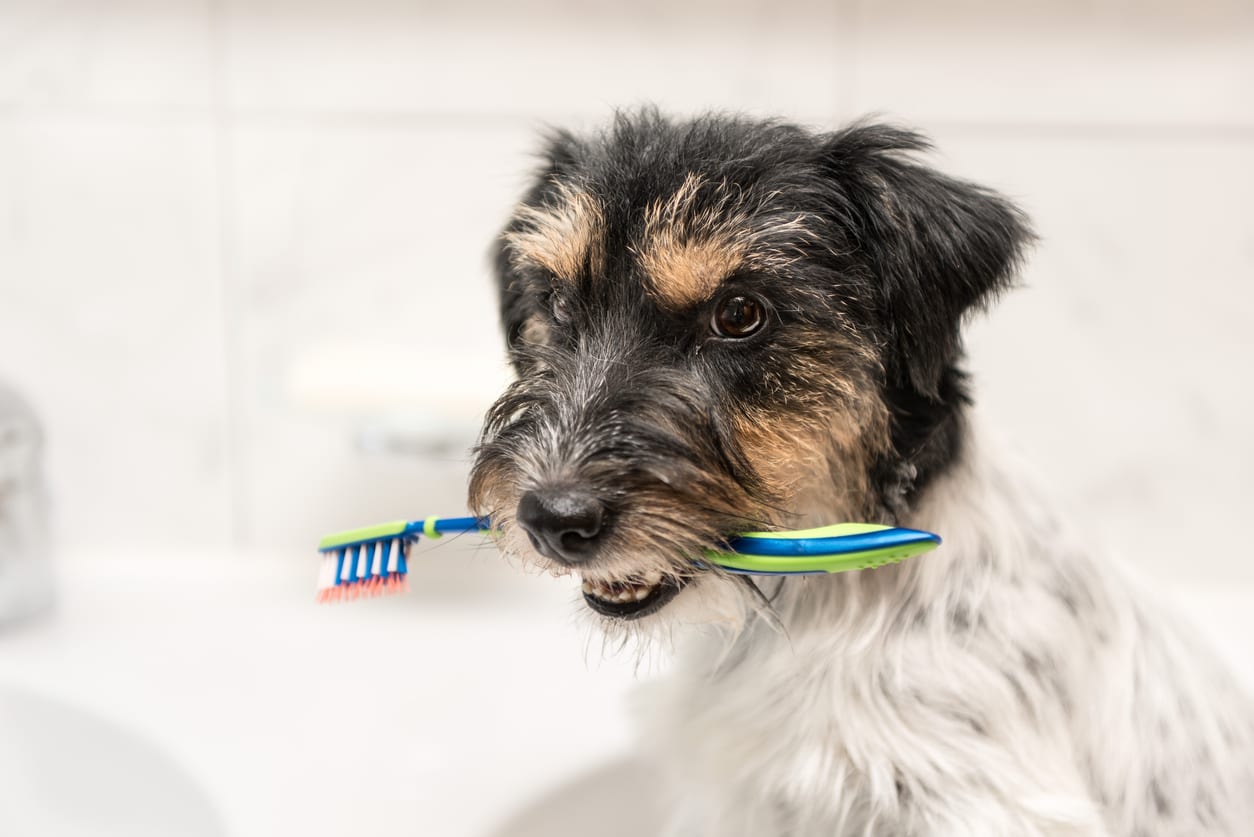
(434, 527)
(840, 545)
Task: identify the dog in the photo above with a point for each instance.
(720, 324)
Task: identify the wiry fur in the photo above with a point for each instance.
(1011, 683)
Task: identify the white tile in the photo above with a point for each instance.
(554, 58)
(1122, 367)
(123, 52)
(111, 321)
(365, 250)
(1109, 62)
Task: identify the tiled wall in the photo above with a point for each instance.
(214, 214)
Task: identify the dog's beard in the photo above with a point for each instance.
(659, 564)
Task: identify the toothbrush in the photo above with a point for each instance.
(372, 561)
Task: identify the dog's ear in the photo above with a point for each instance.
(514, 303)
(935, 247)
(559, 156)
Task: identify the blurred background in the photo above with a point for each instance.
(244, 301)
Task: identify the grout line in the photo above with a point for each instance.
(224, 116)
(228, 267)
(317, 116)
(1063, 130)
(359, 118)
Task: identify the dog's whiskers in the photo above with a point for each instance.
(764, 607)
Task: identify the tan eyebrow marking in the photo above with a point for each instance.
(564, 235)
(686, 253)
(688, 250)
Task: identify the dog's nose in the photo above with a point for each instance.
(562, 524)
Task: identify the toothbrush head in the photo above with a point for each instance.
(373, 561)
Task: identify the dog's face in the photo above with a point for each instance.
(719, 326)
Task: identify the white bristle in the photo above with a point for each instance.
(346, 572)
(326, 578)
(362, 559)
(394, 555)
(376, 566)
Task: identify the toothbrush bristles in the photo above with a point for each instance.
(368, 570)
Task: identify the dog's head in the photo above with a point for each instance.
(723, 325)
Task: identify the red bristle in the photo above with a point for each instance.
(371, 587)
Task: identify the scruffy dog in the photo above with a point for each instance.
(722, 325)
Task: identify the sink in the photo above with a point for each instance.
(65, 772)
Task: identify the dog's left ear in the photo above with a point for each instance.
(559, 155)
(934, 246)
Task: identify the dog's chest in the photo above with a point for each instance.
(826, 729)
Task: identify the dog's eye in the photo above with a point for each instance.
(738, 316)
(559, 308)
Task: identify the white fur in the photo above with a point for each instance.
(1010, 684)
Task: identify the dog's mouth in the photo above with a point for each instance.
(632, 598)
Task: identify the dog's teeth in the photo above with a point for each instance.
(636, 589)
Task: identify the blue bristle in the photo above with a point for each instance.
(339, 566)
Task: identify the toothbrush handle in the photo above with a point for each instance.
(434, 527)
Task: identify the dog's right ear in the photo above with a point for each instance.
(519, 304)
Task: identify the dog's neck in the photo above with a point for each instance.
(965, 502)
(927, 437)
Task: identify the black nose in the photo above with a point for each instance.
(563, 524)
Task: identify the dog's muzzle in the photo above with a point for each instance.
(566, 525)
